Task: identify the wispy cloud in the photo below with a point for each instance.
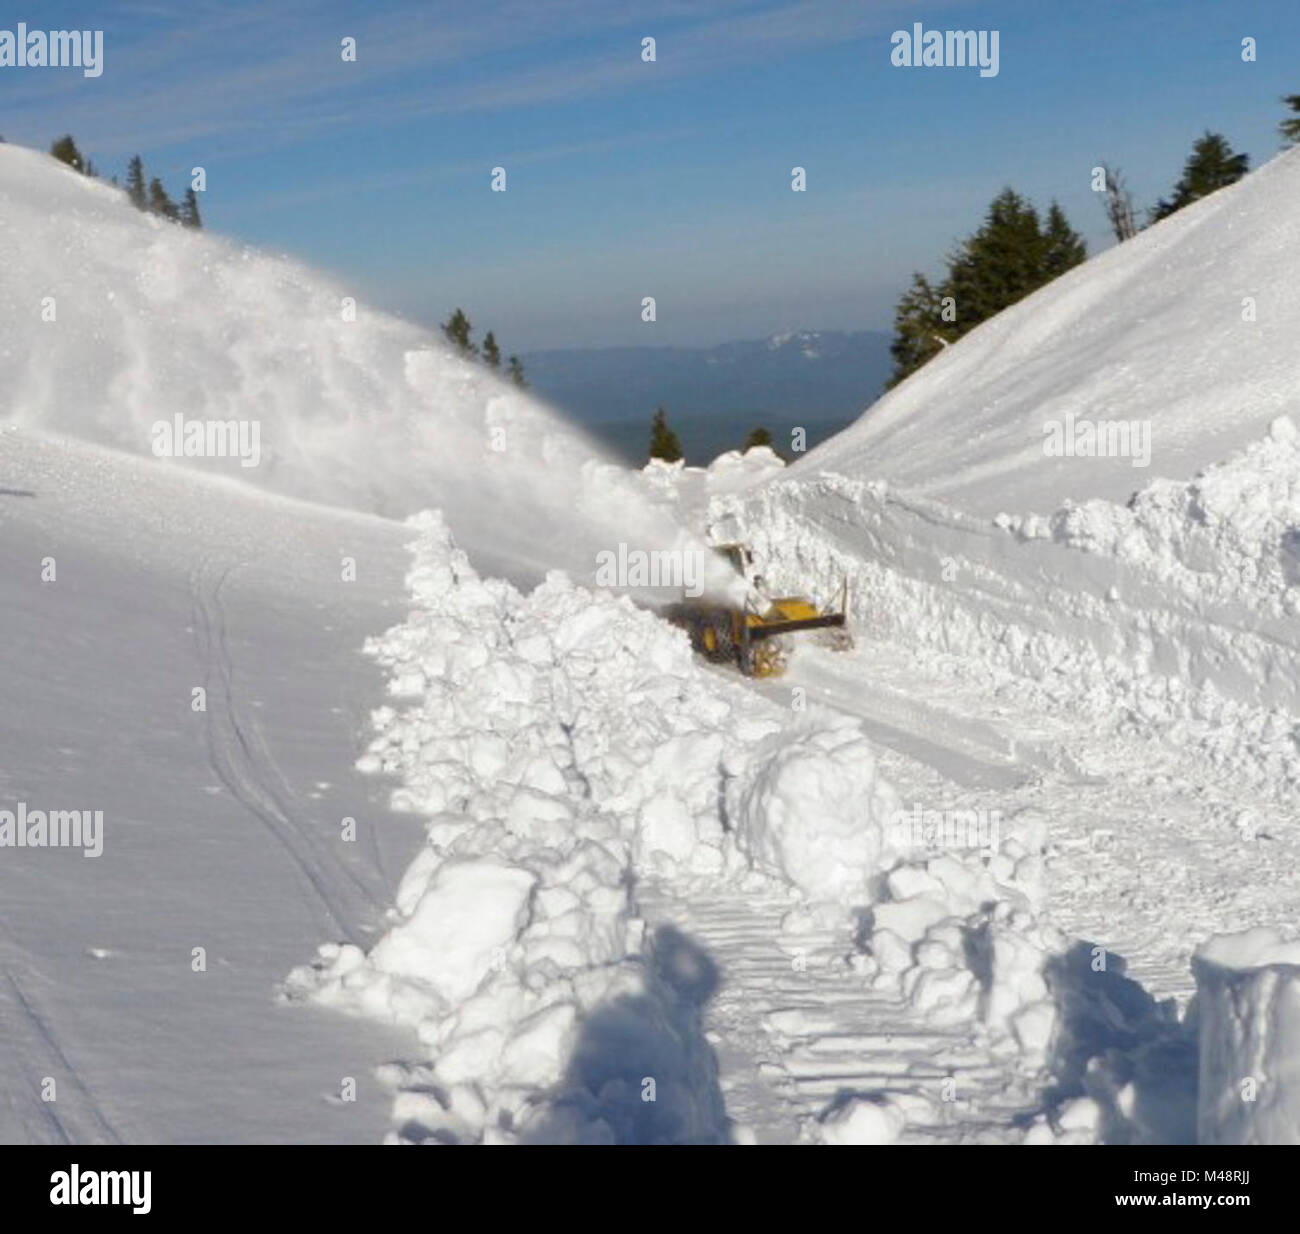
(247, 76)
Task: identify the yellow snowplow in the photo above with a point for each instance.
(752, 636)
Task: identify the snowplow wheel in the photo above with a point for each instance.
(768, 658)
(721, 646)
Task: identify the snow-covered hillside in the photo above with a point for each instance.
(1190, 327)
(116, 321)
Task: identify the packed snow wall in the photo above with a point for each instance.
(1248, 1005)
(1096, 490)
(1178, 607)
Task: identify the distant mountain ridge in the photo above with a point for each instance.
(780, 380)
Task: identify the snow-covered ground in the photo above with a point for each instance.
(222, 829)
(563, 881)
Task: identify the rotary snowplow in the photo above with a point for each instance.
(753, 635)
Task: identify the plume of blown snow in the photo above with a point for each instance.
(118, 322)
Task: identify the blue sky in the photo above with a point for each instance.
(628, 179)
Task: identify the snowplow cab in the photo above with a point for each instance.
(741, 559)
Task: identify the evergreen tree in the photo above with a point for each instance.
(160, 203)
(517, 372)
(135, 183)
(190, 216)
(919, 328)
(491, 352)
(1010, 256)
(65, 150)
(1001, 263)
(457, 328)
(1211, 166)
(664, 443)
(759, 437)
(1290, 127)
(1063, 247)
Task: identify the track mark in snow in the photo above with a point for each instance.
(31, 1053)
(970, 751)
(795, 1028)
(242, 762)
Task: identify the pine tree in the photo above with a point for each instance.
(160, 203)
(1001, 263)
(457, 328)
(1063, 247)
(491, 352)
(135, 183)
(189, 213)
(65, 150)
(1290, 127)
(919, 328)
(1211, 166)
(1010, 256)
(758, 437)
(664, 443)
(517, 372)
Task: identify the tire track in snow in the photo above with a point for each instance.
(794, 1027)
(259, 754)
(32, 1052)
(242, 763)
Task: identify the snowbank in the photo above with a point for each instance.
(1175, 612)
(566, 745)
(1230, 534)
(687, 491)
(957, 934)
(1248, 1005)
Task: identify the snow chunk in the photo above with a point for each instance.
(467, 916)
(811, 805)
(1248, 998)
